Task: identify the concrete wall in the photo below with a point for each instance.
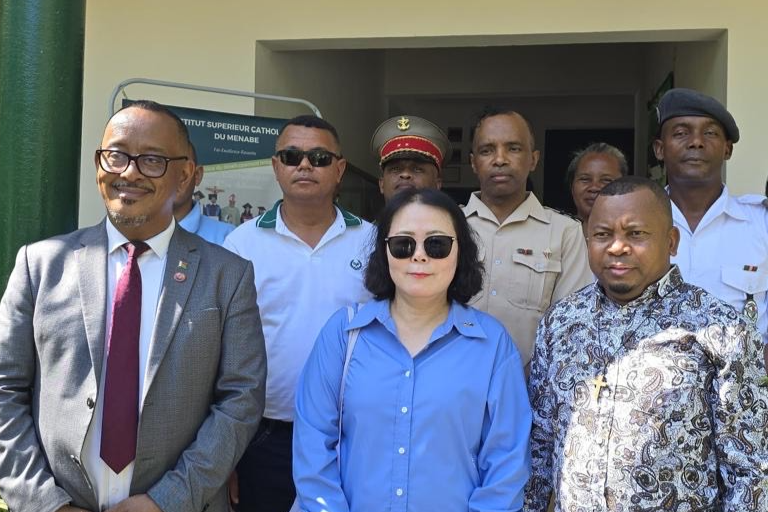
(244, 44)
(345, 85)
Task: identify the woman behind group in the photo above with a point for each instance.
(435, 410)
(590, 170)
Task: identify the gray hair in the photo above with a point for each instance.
(601, 148)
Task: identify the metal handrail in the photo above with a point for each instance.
(216, 90)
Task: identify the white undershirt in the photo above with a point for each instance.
(111, 488)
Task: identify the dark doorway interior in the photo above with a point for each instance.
(560, 146)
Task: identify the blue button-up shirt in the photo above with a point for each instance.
(445, 430)
(207, 228)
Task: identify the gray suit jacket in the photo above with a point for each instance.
(205, 380)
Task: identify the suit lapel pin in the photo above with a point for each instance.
(180, 276)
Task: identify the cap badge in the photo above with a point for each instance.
(403, 124)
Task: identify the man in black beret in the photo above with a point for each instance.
(723, 239)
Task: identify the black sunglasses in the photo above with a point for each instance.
(316, 157)
(436, 246)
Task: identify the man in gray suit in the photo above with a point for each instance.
(199, 362)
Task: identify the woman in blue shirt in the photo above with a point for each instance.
(435, 410)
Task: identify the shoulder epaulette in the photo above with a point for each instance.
(757, 199)
(564, 213)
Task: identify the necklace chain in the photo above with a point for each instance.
(599, 382)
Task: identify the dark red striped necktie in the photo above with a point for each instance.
(121, 389)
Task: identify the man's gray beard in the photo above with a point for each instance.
(119, 219)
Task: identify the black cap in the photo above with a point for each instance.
(682, 102)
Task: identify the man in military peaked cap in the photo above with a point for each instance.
(411, 153)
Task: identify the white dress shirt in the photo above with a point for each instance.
(111, 488)
(727, 255)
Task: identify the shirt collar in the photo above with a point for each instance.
(723, 204)
(658, 290)
(462, 318)
(530, 207)
(732, 206)
(191, 221)
(269, 219)
(158, 243)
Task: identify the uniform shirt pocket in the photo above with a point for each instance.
(744, 280)
(533, 281)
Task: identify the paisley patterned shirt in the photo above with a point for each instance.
(650, 406)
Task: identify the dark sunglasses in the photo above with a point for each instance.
(316, 157)
(436, 246)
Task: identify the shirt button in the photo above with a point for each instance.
(399, 492)
(401, 450)
(404, 410)
(90, 403)
(498, 262)
(493, 292)
(407, 373)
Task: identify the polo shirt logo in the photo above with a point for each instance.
(356, 264)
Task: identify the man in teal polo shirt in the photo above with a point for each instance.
(309, 256)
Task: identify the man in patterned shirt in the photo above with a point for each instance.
(645, 388)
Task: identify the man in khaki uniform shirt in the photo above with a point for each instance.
(533, 255)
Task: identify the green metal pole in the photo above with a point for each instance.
(41, 102)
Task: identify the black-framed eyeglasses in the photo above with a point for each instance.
(316, 157)
(151, 166)
(404, 246)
